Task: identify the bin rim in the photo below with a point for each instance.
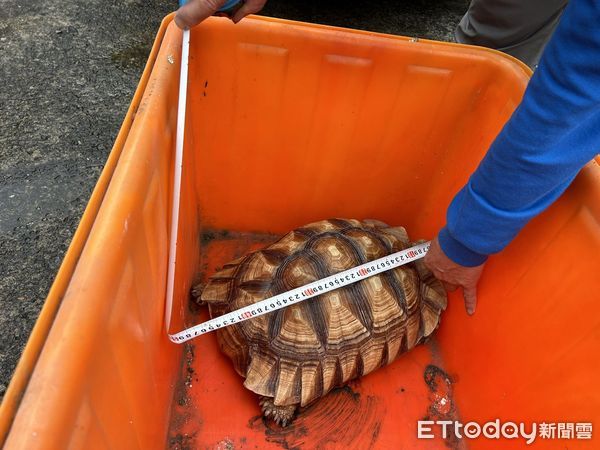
(469, 47)
(35, 343)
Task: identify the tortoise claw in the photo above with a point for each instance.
(197, 292)
(281, 415)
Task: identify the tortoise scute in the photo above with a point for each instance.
(386, 310)
(297, 354)
(296, 272)
(343, 327)
(297, 334)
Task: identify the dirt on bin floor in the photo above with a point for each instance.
(68, 70)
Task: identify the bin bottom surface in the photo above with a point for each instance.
(213, 410)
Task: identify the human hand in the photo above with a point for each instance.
(195, 11)
(453, 275)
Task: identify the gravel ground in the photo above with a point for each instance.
(68, 70)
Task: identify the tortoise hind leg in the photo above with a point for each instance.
(282, 415)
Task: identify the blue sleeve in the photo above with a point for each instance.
(553, 133)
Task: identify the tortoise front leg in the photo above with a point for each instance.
(282, 415)
(197, 292)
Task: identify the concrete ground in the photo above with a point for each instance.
(68, 70)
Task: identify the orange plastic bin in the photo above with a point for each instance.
(289, 123)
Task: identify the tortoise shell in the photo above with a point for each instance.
(297, 354)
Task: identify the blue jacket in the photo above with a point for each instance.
(553, 133)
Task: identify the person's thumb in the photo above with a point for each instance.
(195, 11)
(470, 295)
(250, 7)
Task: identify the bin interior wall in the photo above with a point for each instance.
(530, 352)
(315, 124)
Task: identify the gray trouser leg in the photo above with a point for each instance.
(520, 28)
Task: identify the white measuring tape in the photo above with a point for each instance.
(183, 76)
(297, 295)
(276, 302)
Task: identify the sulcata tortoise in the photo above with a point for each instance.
(297, 354)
